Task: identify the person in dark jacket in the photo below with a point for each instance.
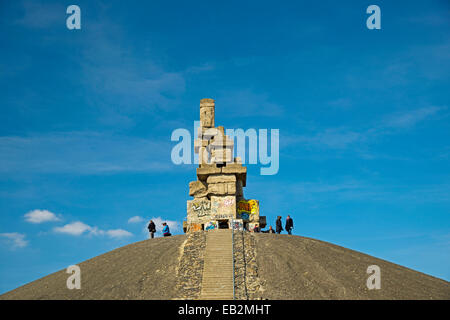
(279, 225)
(289, 224)
(151, 228)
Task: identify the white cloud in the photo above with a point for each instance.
(118, 233)
(75, 228)
(411, 118)
(78, 228)
(17, 240)
(135, 219)
(39, 216)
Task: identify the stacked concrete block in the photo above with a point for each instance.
(220, 177)
(221, 149)
(198, 189)
(221, 184)
(207, 107)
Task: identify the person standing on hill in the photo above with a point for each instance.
(166, 231)
(289, 224)
(151, 228)
(279, 225)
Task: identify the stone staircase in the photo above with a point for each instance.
(217, 279)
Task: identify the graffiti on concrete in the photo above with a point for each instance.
(223, 206)
(238, 225)
(222, 216)
(247, 209)
(244, 216)
(228, 202)
(195, 227)
(211, 225)
(202, 208)
(252, 227)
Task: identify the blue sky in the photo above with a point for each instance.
(87, 115)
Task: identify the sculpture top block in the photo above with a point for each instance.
(207, 107)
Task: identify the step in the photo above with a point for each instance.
(218, 290)
(219, 254)
(222, 274)
(218, 275)
(219, 260)
(218, 294)
(224, 290)
(218, 270)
